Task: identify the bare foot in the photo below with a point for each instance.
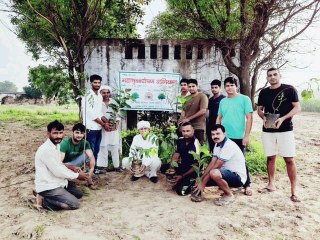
(294, 198)
(266, 190)
(248, 191)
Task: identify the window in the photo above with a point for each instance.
(128, 52)
(141, 51)
(177, 52)
(153, 51)
(200, 51)
(165, 51)
(189, 52)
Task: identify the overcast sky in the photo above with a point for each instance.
(14, 61)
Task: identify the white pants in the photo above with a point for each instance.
(102, 160)
(279, 142)
(151, 170)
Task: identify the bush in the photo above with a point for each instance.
(257, 161)
(312, 105)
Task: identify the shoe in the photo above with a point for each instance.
(118, 170)
(134, 178)
(100, 171)
(154, 179)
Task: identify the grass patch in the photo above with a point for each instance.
(257, 161)
(39, 116)
(312, 105)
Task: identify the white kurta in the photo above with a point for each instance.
(152, 163)
(91, 106)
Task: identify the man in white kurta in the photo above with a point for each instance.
(111, 137)
(151, 163)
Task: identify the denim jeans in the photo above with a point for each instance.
(79, 161)
(62, 198)
(94, 139)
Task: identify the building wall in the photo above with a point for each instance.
(109, 56)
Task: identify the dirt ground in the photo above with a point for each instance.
(121, 209)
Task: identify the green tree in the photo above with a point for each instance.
(7, 86)
(62, 28)
(32, 92)
(258, 31)
(52, 81)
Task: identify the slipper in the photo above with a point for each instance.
(266, 190)
(294, 198)
(248, 191)
(223, 201)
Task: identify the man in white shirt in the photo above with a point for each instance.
(51, 179)
(227, 168)
(150, 162)
(91, 114)
(110, 138)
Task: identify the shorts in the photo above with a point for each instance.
(279, 142)
(232, 178)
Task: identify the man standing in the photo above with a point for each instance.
(235, 114)
(184, 171)
(75, 152)
(279, 99)
(195, 112)
(111, 138)
(227, 168)
(91, 113)
(52, 175)
(184, 87)
(213, 108)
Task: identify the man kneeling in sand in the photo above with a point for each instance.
(54, 191)
(141, 144)
(226, 169)
(75, 152)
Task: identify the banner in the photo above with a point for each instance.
(156, 91)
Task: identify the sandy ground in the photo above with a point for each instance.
(121, 209)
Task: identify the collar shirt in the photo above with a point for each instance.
(233, 158)
(51, 173)
(91, 110)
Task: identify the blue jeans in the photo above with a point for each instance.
(79, 161)
(62, 198)
(94, 139)
(233, 179)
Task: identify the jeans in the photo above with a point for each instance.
(79, 161)
(94, 139)
(62, 198)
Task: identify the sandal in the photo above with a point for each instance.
(294, 198)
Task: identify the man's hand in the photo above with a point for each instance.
(198, 188)
(107, 126)
(245, 141)
(74, 168)
(182, 121)
(177, 178)
(83, 176)
(278, 122)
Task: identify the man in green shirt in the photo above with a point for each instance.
(75, 151)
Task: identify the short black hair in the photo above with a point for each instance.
(192, 80)
(217, 126)
(95, 77)
(184, 80)
(55, 124)
(186, 124)
(79, 127)
(230, 80)
(216, 82)
(272, 69)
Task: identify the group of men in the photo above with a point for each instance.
(227, 128)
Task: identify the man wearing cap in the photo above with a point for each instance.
(150, 160)
(111, 137)
(75, 151)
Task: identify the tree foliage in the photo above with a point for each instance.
(62, 28)
(52, 81)
(32, 92)
(260, 31)
(7, 86)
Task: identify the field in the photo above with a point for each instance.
(120, 209)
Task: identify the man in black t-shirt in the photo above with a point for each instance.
(279, 99)
(184, 172)
(213, 108)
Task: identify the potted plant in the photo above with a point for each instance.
(203, 157)
(271, 118)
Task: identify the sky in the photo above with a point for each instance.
(15, 61)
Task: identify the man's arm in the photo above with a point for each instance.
(296, 109)
(92, 161)
(260, 112)
(219, 119)
(245, 139)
